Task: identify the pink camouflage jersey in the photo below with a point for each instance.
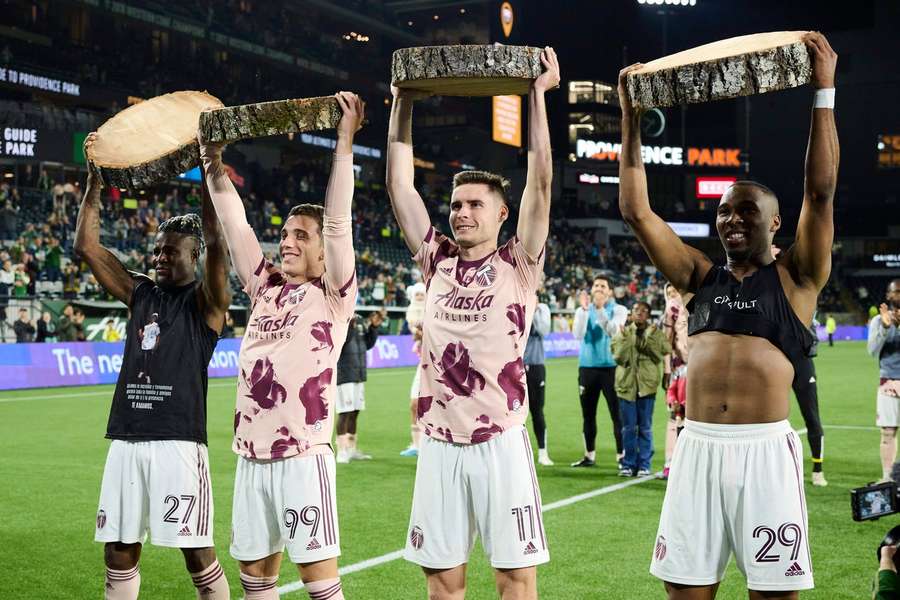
(477, 318)
(295, 332)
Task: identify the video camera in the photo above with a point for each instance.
(874, 501)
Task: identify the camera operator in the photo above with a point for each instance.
(887, 586)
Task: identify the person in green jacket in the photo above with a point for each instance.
(638, 351)
(886, 586)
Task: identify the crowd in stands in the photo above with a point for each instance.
(37, 229)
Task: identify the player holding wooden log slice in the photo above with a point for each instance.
(156, 476)
(472, 70)
(232, 123)
(475, 469)
(152, 141)
(740, 66)
(736, 478)
(284, 418)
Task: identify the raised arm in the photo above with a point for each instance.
(340, 262)
(409, 209)
(534, 213)
(216, 294)
(811, 252)
(108, 270)
(682, 265)
(246, 254)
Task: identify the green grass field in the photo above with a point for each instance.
(54, 450)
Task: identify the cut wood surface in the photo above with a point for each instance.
(739, 66)
(152, 141)
(232, 123)
(474, 70)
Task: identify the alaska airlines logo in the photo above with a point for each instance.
(453, 299)
(267, 323)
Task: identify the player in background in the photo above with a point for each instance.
(675, 325)
(415, 314)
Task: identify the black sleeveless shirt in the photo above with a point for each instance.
(756, 306)
(161, 391)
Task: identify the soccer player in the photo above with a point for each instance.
(475, 470)
(597, 320)
(675, 324)
(157, 475)
(351, 381)
(736, 480)
(884, 343)
(284, 420)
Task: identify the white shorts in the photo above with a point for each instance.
(162, 486)
(351, 397)
(414, 388)
(735, 488)
(286, 502)
(888, 411)
(490, 489)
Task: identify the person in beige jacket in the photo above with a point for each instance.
(638, 349)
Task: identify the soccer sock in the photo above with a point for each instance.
(351, 441)
(325, 589)
(259, 588)
(211, 583)
(817, 465)
(592, 455)
(123, 585)
(416, 435)
(342, 441)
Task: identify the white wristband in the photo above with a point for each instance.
(824, 98)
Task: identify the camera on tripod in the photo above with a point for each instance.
(874, 500)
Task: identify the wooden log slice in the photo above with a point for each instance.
(233, 123)
(152, 141)
(476, 70)
(739, 66)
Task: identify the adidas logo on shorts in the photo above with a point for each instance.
(794, 571)
(530, 549)
(185, 531)
(313, 544)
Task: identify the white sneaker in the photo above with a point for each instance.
(342, 457)
(819, 479)
(543, 459)
(355, 454)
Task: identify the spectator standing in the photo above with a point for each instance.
(46, 329)
(351, 377)
(110, 332)
(639, 351)
(597, 320)
(24, 327)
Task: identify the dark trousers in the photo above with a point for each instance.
(831, 339)
(592, 381)
(804, 386)
(535, 376)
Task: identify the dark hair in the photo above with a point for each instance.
(313, 211)
(188, 224)
(603, 278)
(757, 185)
(497, 183)
(642, 303)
